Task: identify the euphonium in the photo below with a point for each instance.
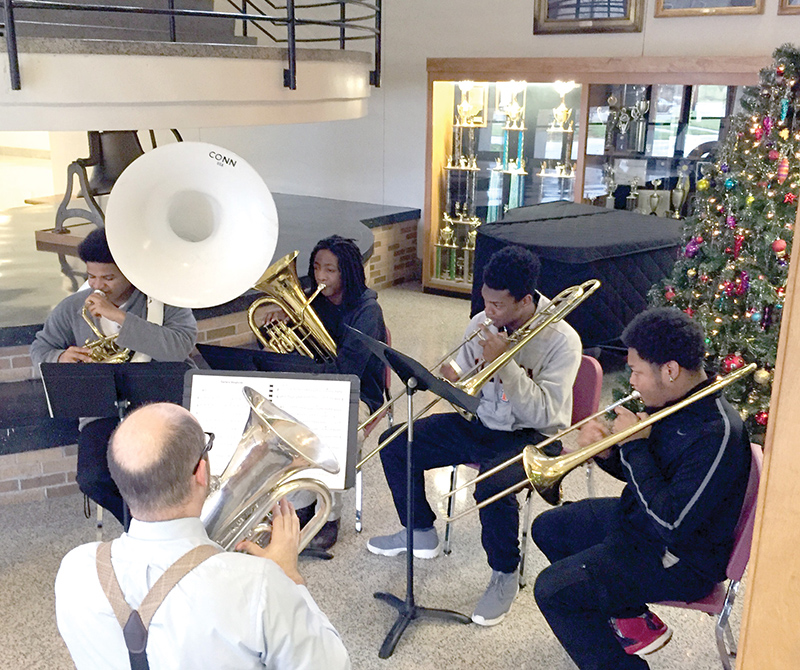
(104, 349)
(274, 446)
(305, 333)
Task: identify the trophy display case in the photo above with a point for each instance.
(647, 145)
(488, 134)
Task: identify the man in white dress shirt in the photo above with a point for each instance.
(231, 611)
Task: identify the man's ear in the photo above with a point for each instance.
(526, 300)
(203, 473)
(673, 369)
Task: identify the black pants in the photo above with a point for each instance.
(598, 571)
(447, 439)
(93, 476)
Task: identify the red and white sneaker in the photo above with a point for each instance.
(642, 634)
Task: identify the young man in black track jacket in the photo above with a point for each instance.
(670, 534)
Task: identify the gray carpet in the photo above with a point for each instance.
(36, 536)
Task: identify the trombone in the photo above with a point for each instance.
(474, 379)
(539, 445)
(545, 473)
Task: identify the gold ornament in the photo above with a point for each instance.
(744, 414)
(784, 134)
(761, 376)
(751, 199)
(691, 272)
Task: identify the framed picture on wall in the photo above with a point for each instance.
(587, 16)
(789, 7)
(667, 8)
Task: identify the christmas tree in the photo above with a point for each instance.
(731, 274)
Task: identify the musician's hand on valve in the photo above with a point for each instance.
(493, 344)
(626, 419)
(75, 355)
(273, 313)
(98, 305)
(284, 544)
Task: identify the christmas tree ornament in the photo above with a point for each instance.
(779, 247)
(703, 184)
(743, 413)
(784, 134)
(669, 293)
(789, 198)
(762, 417)
(689, 311)
(781, 291)
(784, 109)
(723, 167)
(774, 155)
(767, 124)
(755, 317)
(780, 70)
(730, 183)
(731, 362)
(761, 376)
(691, 272)
(750, 199)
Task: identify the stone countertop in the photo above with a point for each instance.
(303, 221)
(60, 45)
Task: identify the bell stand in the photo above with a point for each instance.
(416, 378)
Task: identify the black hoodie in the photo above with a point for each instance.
(352, 356)
(686, 483)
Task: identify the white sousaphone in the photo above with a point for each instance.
(193, 225)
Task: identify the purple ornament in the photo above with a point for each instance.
(691, 249)
(744, 282)
(767, 124)
(730, 221)
(723, 167)
(766, 320)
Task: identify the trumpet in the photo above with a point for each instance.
(104, 348)
(474, 379)
(546, 473)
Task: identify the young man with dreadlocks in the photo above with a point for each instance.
(345, 301)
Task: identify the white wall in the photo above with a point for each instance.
(380, 158)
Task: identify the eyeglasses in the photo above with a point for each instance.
(209, 443)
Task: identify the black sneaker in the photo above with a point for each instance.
(326, 537)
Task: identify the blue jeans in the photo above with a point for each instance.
(598, 571)
(448, 439)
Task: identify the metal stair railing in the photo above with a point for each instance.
(365, 23)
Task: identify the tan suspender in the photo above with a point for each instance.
(125, 615)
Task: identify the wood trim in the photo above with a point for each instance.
(733, 71)
(769, 636)
(583, 133)
(785, 8)
(756, 8)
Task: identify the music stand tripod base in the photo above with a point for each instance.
(408, 610)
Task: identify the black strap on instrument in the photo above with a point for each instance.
(135, 623)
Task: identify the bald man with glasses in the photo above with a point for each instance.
(221, 609)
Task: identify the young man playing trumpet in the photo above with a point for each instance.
(530, 397)
(670, 534)
(119, 307)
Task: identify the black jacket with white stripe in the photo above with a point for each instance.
(686, 483)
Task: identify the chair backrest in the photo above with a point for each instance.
(586, 389)
(743, 533)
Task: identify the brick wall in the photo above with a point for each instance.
(394, 259)
(36, 475)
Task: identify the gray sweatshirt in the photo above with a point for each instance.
(65, 327)
(534, 389)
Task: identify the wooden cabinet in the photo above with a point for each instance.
(505, 133)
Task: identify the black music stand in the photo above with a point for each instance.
(105, 390)
(416, 378)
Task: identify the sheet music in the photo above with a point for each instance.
(323, 405)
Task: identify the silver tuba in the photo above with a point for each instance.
(274, 447)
